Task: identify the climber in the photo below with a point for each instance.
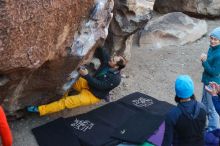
(91, 88)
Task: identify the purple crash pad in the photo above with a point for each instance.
(157, 137)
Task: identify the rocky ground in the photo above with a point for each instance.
(150, 71)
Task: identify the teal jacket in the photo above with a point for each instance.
(212, 66)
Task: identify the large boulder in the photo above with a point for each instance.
(34, 35)
(194, 7)
(172, 29)
(129, 17)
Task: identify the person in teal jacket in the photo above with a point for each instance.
(211, 65)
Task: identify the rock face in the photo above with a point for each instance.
(172, 29)
(94, 31)
(195, 7)
(129, 16)
(34, 61)
(92, 35)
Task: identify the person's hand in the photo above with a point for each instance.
(216, 86)
(73, 75)
(212, 88)
(83, 71)
(203, 57)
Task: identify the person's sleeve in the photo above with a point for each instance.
(102, 55)
(168, 135)
(111, 83)
(216, 103)
(213, 70)
(5, 132)
(203, 106)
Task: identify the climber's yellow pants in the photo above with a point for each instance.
(85, 97)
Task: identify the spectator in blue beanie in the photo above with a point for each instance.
(211, 73)
(185, 123)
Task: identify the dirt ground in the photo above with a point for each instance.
(150, 71)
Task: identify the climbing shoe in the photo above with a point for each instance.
(33, 109)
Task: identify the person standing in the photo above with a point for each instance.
(5, 131)
(185, 123)
(211, 65)
(214, 89)
(212, 138)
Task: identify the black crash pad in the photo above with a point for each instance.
(132, 118)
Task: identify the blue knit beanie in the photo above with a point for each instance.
(184, 86)
(216, 33)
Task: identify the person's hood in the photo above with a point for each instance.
(195, 109)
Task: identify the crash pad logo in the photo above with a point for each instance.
(82, 125)
(142, 102)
